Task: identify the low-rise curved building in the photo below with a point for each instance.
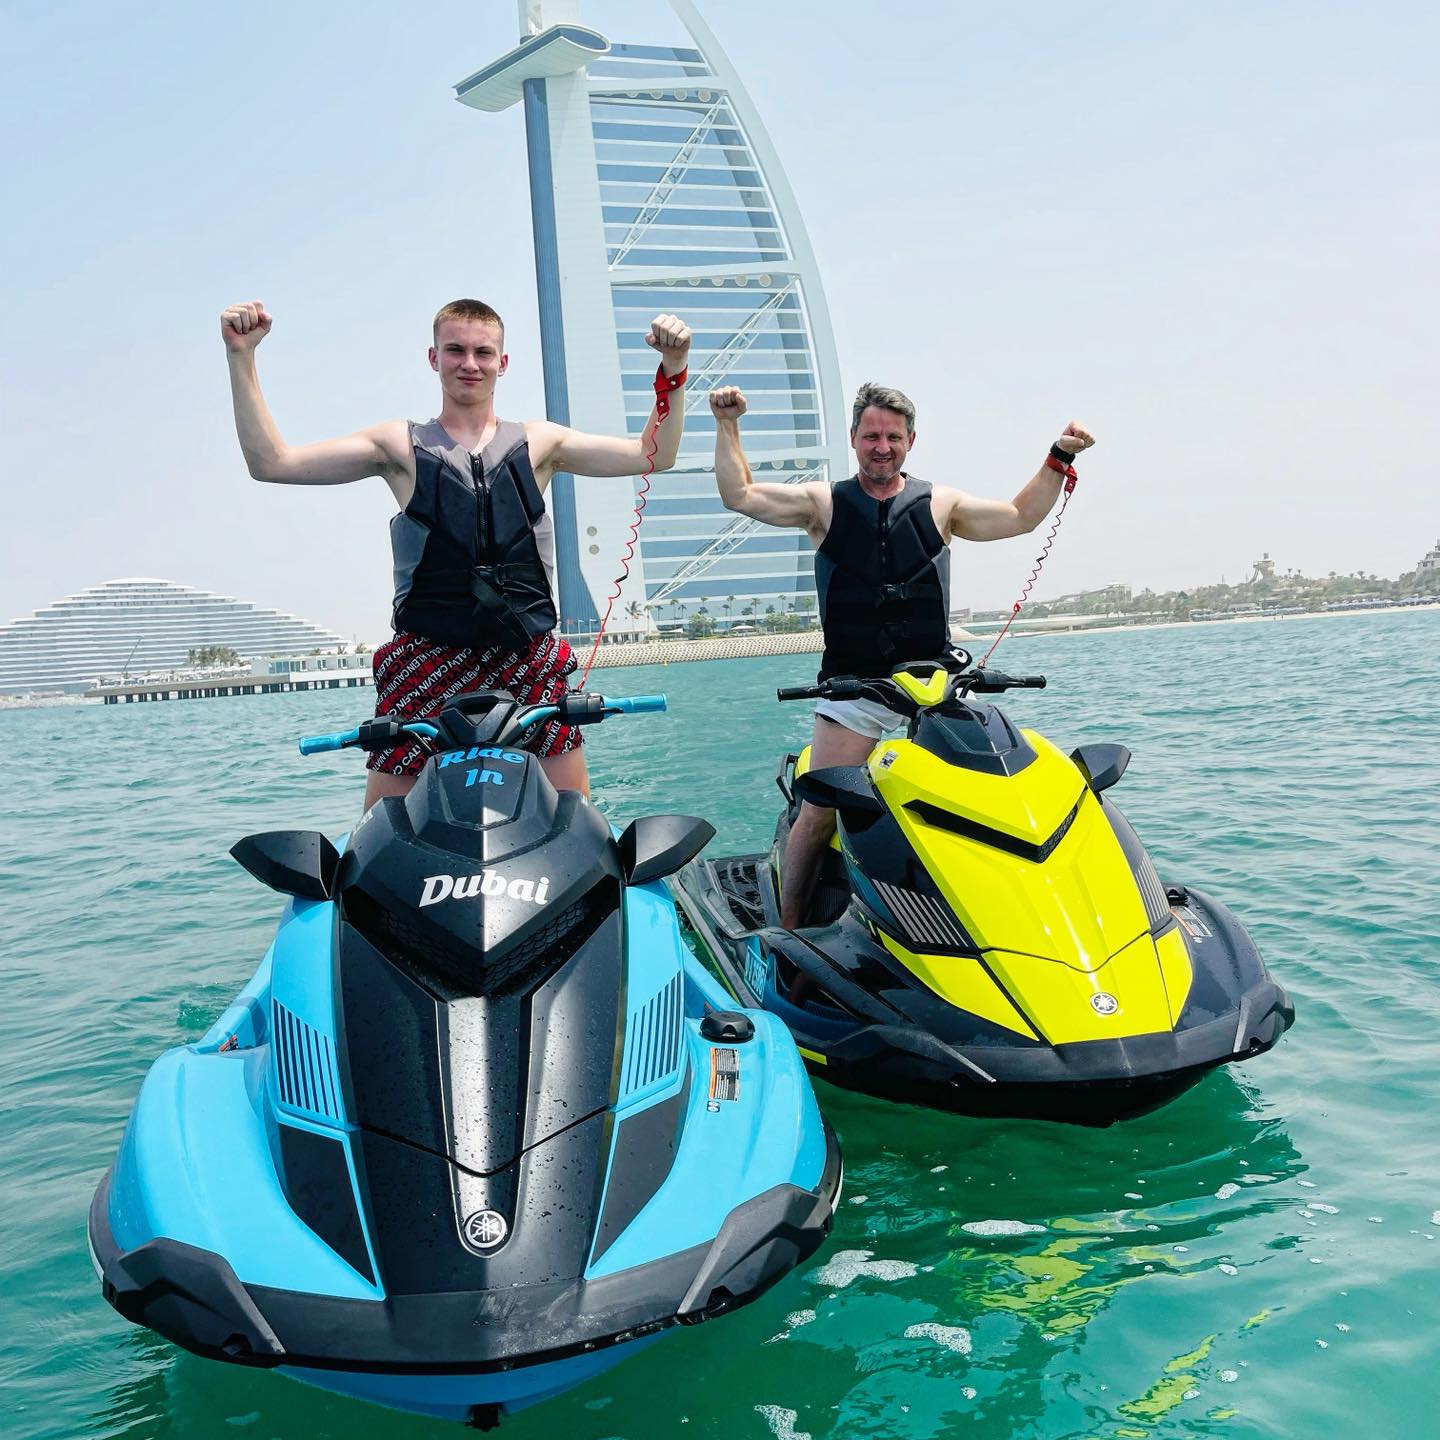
(132, 627)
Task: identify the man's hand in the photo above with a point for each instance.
(727, 404)
(1075, 439)
(670, 336)
(244, 326)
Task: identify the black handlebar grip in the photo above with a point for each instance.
(1032, 682)
(582, 708)
(797, 692)
(380, 733)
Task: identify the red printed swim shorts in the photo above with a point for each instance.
(414, 677)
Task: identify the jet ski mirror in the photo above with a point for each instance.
(658, 845)
(296, 862)
(1101, 765)
(839, 787)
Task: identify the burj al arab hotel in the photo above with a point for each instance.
(653, 187)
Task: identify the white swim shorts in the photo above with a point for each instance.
(863, 717)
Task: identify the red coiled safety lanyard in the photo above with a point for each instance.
(1068, 471)
(664, 384)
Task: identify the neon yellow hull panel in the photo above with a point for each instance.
(963, 982)
(1079, 906)
(1057, 999)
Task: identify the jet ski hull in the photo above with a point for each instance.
(455, 1153)
(898, 1042)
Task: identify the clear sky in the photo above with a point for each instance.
(1208, 232)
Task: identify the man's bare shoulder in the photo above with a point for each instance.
(392, 439)
(544, 439)
(822, 508)
(944, 500)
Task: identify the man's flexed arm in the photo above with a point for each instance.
(556, 448)
(378, 450)
(974, 518)
(789, 505)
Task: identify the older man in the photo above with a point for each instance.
(882, 573)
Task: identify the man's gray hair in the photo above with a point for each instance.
(883, 397)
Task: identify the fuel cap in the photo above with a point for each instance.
(729, 1026)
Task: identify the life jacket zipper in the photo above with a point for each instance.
(482, 516)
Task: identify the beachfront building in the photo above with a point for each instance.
(653, 187)
(1431, 561)
(133, 627)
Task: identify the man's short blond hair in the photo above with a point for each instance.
(467, 310)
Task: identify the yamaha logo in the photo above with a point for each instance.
(1104, 1003)
(485, 1229)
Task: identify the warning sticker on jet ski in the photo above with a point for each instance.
(1198, 929)
(724, 1074)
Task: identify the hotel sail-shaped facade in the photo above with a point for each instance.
(136, 626)
(654, 188)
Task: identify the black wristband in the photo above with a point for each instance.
(1063, 456)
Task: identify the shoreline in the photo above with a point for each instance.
(679, 652)
(1101, 628)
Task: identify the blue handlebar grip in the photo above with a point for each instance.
(534, 714)
(637, 704)
(310, 744)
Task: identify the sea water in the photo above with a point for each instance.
(1260, 1258)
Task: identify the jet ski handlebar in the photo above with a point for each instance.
(462, 722)
(992, 682)
(884, 689)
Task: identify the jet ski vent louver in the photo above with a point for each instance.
(305, 1064)
(925, 921)
(1152, 892)
(654, 1039)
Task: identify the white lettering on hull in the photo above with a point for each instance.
(487, 882)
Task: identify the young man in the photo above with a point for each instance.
(882, 573)
(474, 546)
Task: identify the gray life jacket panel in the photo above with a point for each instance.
(475, 548)
(882, 576)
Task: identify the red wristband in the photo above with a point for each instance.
(664, 385)
(1051, 463)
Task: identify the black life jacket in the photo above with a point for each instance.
(882, 575)
(469, 565)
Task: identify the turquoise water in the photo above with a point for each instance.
(1258, 1259)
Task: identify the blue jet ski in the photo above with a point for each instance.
(480, 1126)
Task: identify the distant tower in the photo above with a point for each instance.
(1430, 561)
(653, 187)
(1263, 571)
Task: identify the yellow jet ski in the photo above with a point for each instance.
(988, 934)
